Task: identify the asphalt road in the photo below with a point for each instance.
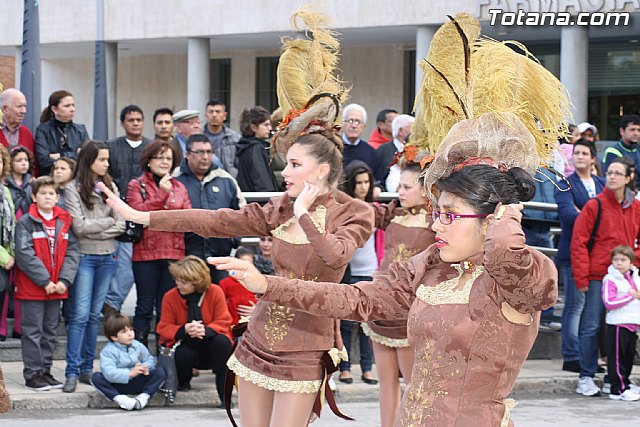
(570, 411)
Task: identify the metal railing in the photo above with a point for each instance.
(263, 197)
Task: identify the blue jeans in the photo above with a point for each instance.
(141, 384)
(589, 328)
(573, 305)
(346, 330)
(86, 298)
(123, 280)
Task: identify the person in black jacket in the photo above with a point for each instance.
(252, 152)
(57, 135)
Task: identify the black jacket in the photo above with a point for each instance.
(48, 141)
(385, 152)
(124, 162)
(252, 162)
(217, 190)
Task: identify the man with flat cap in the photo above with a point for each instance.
(186, 123)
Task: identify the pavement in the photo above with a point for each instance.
(538, 379)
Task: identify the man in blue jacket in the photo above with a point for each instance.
(209, 187)
(584, 186)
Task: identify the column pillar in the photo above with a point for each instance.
(111, 63)
(198, 84)
(18, 67)
(424, 34)
(574, 68)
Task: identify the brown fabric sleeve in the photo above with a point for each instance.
(388, 297)
(527, 279)
(251, 220)
(384, 213)
(354, 227)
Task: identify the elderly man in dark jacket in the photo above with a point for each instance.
(209, 187)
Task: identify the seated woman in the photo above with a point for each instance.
(195, 313)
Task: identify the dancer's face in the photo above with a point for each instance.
(303, 167)
(464, 237)
(410, 190)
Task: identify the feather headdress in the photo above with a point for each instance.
(480, 98)
(309, 92)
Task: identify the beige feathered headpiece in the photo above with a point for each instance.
(309, 93)
(483, 102)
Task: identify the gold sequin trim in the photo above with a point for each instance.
(402, 253)
(380, 339)
(297, 235)
(445, 293)
(419, 222)
(269, 383)
(428, 385)
(509, 404)
(277, 326)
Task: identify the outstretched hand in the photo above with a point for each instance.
(126, 211)
(243, 271)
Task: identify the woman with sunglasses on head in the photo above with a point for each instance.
(58, 135)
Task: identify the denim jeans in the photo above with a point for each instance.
(573, 305)
(346, 329)
(589, 328)
(86, 298)
(123, 279)
(153, 280)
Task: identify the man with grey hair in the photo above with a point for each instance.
(14, 108)
(401, 130)
(354, 120)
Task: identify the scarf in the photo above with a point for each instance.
(7, 239)
(193, 306)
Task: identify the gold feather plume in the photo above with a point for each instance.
(466, 76)
(307, 66)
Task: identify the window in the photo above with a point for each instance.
(266, 69)
(409, 91)
(220, 80)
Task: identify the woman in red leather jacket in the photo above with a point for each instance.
(155, 190)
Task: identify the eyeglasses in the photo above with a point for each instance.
(161, 158)
(356, 122)
(616, 173)
(447, 218)
(201, 153)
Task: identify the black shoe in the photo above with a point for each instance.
(371, 381)
(601, 370)
(184, 387)
(54, 383)
(70, 385)
(85, 378)
(38, 383)
(347, 380)
(571, 366)
(16, 335)
(3, 337)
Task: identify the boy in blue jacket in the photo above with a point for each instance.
(127, 367)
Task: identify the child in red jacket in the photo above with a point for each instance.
(47, 258)
(240, 301)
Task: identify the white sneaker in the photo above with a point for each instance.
(634, 388)
(587, 387)
(332, 384)
(627, 396)
(125, 402)
(141, 400)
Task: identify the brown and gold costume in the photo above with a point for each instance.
(407, 233)
(467, 353)
(282, 347)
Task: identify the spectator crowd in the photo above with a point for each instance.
(65, 252)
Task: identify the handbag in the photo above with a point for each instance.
(133, 231)
(167, 359)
